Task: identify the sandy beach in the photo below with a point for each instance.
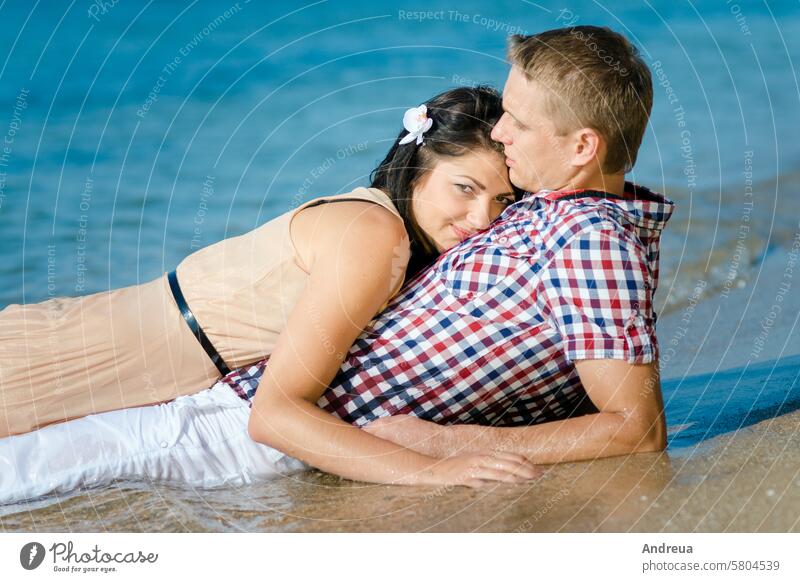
(733, 463)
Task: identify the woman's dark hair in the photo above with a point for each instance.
(463, 119)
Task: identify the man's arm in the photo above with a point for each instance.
(597, 294)
(630, 420)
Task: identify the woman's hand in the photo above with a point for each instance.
(433, 440)
(479, 470)
(422, 436)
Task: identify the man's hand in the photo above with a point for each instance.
(422, 436)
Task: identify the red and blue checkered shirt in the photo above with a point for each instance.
(490, 332)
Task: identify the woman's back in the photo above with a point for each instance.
(242, 289)
(70, 357)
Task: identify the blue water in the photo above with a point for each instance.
(136, 132)
(701, 411)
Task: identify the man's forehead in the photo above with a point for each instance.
(520, 94)
(515, 84)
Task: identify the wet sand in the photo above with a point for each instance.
(733, 462)
(745, 481)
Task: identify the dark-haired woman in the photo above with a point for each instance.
(300, 289)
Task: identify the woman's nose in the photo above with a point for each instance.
(479, 215)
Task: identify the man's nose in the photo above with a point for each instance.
(499, 130)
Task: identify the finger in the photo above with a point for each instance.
(521, 461)
(495, 475)
(511, 457)
(479, 483)
(503, 465)
(512, 466)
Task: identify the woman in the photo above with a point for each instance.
(299, 288)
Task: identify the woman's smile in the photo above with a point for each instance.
(461, 233)
(462, 195)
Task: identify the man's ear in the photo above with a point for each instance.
(588, 147)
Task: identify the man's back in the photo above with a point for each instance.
(489, 333)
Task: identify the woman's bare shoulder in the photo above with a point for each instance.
(348, 225)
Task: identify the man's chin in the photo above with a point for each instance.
(522, 182)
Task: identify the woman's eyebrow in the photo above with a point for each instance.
(481, 186)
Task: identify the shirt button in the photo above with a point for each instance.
(502, 240)
(163, 444)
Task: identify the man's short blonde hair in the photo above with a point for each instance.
(594, 78)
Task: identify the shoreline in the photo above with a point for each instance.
(720, 246)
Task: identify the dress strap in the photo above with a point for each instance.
(191, 321)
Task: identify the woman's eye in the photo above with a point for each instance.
(506, 201)
(465, 188)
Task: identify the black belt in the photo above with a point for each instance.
(194, 326)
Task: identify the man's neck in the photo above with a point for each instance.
(611, 183)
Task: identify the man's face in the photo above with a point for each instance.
(536, 156)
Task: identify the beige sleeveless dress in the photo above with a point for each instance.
(70, 357)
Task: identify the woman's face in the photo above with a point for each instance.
(461, 196)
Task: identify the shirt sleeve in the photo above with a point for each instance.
(597, 294)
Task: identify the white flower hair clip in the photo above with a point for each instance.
(416, 122)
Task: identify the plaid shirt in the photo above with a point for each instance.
(489, 333)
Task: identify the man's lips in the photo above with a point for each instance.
(509, 162)
(461, 233)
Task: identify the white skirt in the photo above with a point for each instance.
(199, 440)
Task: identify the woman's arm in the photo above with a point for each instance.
(354, 252)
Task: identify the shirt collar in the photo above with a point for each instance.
(631, 192)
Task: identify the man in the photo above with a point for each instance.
(551, 304)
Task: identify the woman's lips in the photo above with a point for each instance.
(461, 233)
